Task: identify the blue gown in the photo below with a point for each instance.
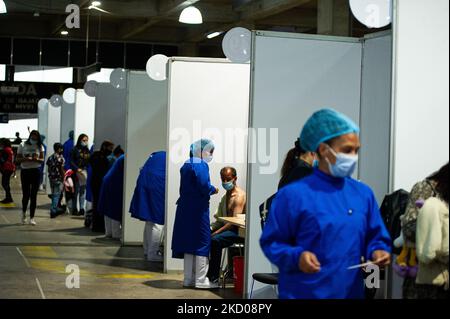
(149, 199)
(336, 219)
(111, 194)
(191, 233)
(68, 147)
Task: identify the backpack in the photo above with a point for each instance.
(392, 209)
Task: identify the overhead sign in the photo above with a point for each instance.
(24, 97)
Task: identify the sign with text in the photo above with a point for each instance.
(24, 97)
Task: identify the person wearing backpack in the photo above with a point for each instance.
(433, 186)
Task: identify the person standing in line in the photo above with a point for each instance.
(7, 168)
(30, 155)
(79, 162)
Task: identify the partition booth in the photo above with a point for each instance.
(208, 98)
(295, 75)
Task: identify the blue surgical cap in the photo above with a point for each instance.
(198, 147)
(323, 126)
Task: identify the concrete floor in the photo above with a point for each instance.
(33, 261)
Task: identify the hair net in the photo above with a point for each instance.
(202, 145)
(323, 126)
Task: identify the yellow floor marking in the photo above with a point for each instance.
(12, 205)
(39, 252)
(126, 276)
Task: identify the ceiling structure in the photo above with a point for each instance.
(156, 21)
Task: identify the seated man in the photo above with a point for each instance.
(224, 234)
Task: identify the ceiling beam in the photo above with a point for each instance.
(165, 9)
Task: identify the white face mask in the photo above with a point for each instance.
(84, 144)
(345, 164)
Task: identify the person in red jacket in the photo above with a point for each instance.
(7, 168)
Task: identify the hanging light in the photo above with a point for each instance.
(64, 32)
(3, 7)
(191, 15)
(214, 35)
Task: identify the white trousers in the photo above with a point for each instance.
(152, 241)
(113, 228)
(195, 271)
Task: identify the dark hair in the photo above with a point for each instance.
(17, 134)
(441, 178)
(105, 145)
(80, 138)
(118, 151)
(5, 142)
(228, 168)
(57, 146)
(34, 132)
(291, 158)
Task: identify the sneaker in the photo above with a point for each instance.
(32, 222)
(207, 285)
(24, 219)
(81, 212)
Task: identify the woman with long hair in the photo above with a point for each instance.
(79, 161)
(30, 156)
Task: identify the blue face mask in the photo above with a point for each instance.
(345, 164)
(208, 159)
(33, 142)
(228, 186)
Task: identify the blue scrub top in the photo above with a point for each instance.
(191, 233)
(149, 199)
(111, 194)
(336, 219)
(68, 147)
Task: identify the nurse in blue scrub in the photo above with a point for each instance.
(191, 234)
(328, 222)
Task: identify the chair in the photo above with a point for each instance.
(265, 278)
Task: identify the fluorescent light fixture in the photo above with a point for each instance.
(64, 32)
(191, 15)
(214, 35)
(3, 7)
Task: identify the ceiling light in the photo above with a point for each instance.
(3, 7)
(64, 32)
(96, 3)
(214, 35)
(191, 15)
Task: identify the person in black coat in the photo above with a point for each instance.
(100, 167)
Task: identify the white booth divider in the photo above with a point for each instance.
(43, 120)
(208, 98)
(53, 136)
(420, 125)
(84, 116)
(292, 77)
(376, 97)
(110, 115)
(146, 132)
(67, 121)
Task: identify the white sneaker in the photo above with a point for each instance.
(207, 285)
(32, 222)
(24, 219)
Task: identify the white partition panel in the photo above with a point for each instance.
(42, 120)
(420, 126)
(421, 95)
(146, 132)
(84, 116)
(208, 98)
(376, 113)
(53, 136)
(292, 77)
(110, 112)
(67, 120)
